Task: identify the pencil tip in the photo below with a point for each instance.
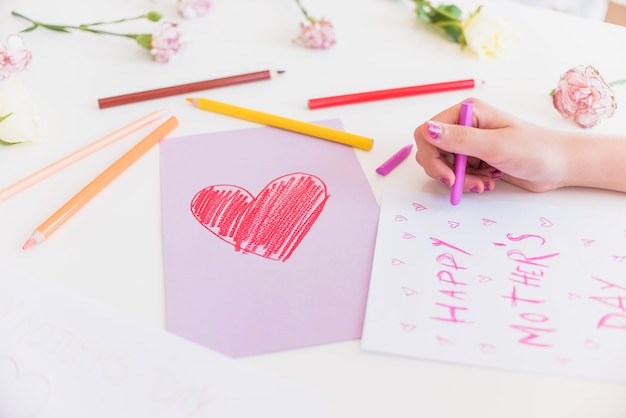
(29, 243)
(280, 71)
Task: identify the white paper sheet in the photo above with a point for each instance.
(61, 357)
(508, 285)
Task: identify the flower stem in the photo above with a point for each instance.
(617, 82)
(153, 16)
(118, 21)
(304, 12)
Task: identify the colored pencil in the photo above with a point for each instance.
(306, 128)
(99, 183)
(460, 162)
(77, 155)
(186, 88)
(386, 167)
(392, 93)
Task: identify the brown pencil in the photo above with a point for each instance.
(186, 88)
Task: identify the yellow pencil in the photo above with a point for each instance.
(97, 184)
(306, 128)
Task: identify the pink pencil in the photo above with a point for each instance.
(465, 119)
(77, 155)
(392, 93)
(386, 167)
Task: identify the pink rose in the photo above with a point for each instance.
(13, 57)
(583, 96)
(166, 41)
(190, 9)
(318, 34)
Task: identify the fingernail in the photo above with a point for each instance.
(487, 186)
(445, 181)
(434, 129)
(474, 189)
(496, 174)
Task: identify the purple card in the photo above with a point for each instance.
(268, 239)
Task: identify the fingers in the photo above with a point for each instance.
(456, 139)
(441, 138)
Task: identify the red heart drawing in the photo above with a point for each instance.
(270, 225)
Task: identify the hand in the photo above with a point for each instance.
(499, 146)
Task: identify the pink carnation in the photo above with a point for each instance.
(13, 57)
(583, 96)
(318, 34)
(193, 8)
(166, 41)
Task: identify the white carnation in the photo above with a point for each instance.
(485, 35)
(22, 124)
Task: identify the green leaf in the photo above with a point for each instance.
(5, 116)
(57, 28)
(30, 29)
(452, 31)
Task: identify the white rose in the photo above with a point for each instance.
(485, 35)
(22, 124)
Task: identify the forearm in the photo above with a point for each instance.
(597, 161)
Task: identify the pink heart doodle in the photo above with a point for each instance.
(408, 291)
(24, 394)
(484, 279)
(545, 222)
(270, 225)
(485, 348)
(488, 222)
(453, 224)
(400, 218)
(408, 235)
(587, 242)
(396, 262)
(591, 344)
(407, 327)
(572, 296)
(418, 207)
(442, 340)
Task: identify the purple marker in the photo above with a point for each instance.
(395, 159)
(460, 162)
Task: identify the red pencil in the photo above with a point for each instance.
(392, 93)
(186, 88)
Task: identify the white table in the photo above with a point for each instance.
(110, 252)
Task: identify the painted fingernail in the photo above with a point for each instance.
(487, 186)
(496, 174)
(445, 181)
(434, 129)
(474, 190)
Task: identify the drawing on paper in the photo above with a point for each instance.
(271, 224)
(526, 287)
(22, 394)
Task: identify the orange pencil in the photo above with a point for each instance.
(77, 155)
(96, 185)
